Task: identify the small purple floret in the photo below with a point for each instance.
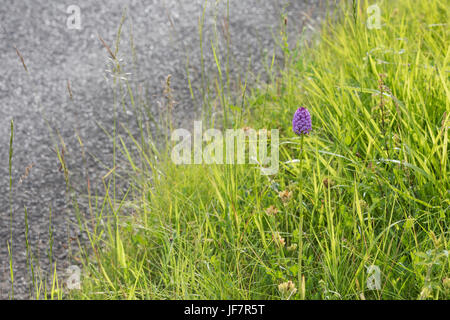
(301, 124)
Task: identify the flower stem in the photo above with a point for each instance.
(300, 228)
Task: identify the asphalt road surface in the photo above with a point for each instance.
(56, 51)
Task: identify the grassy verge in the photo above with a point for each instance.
(375, 181)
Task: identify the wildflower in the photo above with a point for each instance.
(287, 288)
(292, 247)
(278, 239)
(301, 124)
(272, 210)
(285, 196)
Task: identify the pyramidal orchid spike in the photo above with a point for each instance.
(301, 124)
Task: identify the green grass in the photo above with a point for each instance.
(374, 180)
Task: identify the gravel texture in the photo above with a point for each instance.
(164, 33)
